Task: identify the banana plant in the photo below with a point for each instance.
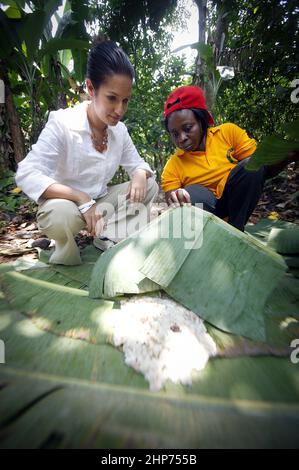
(28, 47)
(213, 73)
(274, 149)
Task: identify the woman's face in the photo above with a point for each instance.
(185, 130)
(110, 100)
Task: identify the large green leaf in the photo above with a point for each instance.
(226, 280)
(284, 241)
(9, 37)
(206, 52)
(285, 298)
(274, 149)
(292, 130)
(47, 411)
(55, 389)
(61, 379)
(80, 63)
(32, 32)
(13, 12)
(42, 300)
(26, 28)
(13, 3)
(63, 23)
(57, 44)
(262, 229)
(51, 6)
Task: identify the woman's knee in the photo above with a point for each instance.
(56, 216)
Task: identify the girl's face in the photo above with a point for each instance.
(110, 100)
(185, 130)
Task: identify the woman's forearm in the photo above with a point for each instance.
(61, 191)
(140, 170)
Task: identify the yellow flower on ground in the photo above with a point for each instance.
(273, 215)
(16, 190)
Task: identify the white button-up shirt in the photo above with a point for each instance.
(64, 154)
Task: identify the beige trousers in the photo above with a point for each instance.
(61, 220)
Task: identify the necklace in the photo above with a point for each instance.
(100, 144)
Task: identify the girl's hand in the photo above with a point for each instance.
(138, 186)
(94, 221)
(178, 197)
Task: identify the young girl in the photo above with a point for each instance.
(208, 166)
(76, 156)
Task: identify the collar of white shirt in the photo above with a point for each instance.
(79, 121)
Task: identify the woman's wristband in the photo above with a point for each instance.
(86, 206)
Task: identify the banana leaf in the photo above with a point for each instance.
(274, 149)
(292, 129)
(64, 385)
(262, 229)
(284, 241)
(80, 274)
(216, 271)
(47, 411)
(41, 301)
(33, 292)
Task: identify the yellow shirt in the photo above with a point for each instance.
(225, 146)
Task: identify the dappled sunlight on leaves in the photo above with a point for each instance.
(27, 328)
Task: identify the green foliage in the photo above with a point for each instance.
(261, 45)
(156, 76)
(42, 79)
(273, 149)
(31, 57)
(47, 72)
(10, 197)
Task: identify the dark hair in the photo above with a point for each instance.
(106, 58)
(201, 115)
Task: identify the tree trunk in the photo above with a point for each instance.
(61, 98)
(221, 29)
(15, 130)
(198, 78)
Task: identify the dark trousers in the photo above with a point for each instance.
(240, 196)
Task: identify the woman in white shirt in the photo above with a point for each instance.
(76, 156)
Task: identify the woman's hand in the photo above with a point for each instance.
(138, 186)
(94, 221)
(178, 197)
